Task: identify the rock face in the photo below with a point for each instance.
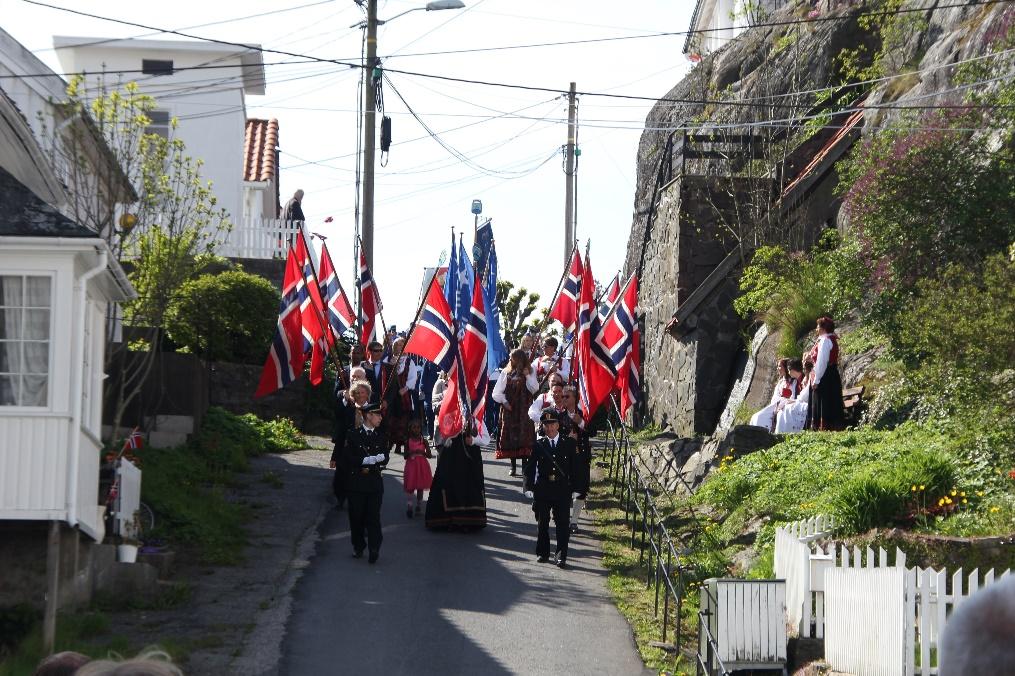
(680, 231)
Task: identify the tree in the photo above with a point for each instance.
(144, 195)
(516, 306)
(241, 325)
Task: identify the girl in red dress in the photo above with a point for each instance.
(417, 476)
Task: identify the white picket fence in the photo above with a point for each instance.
(877, 616)
(263, 238)
(793, 564)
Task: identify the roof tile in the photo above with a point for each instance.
(259, 144)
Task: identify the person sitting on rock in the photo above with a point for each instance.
(793, 416)
(786, 390)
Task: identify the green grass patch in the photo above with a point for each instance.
(941, 479)
(84, 632)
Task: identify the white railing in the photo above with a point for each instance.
(128, 498)
(263, 238)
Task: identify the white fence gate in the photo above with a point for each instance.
(863, 620)
(849, 591)
(746, 619)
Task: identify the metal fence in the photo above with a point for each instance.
(657, 551)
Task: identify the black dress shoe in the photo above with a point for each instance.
(543, 559)
(562, 564)
(408, 512)
(573, 528)
(373, 557)
(357, 553)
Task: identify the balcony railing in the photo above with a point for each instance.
(263, 238)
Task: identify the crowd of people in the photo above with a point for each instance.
(386, 402)
(808, 393)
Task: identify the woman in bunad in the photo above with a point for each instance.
(785, 391)
(551, 362)
(514, 391)
(826, 398)
(794, 415)
(402, 405)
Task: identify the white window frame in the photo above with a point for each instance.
(49, 274)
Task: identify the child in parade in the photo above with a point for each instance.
(417, 475)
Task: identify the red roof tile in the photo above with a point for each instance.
(259, 144)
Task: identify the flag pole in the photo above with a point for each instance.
(412, 330)
(556, 294)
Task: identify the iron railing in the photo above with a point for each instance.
(657, 551)
(709, 662)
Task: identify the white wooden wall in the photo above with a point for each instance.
(792, 563)
(864, 620)
(33, 466)
(750, 625)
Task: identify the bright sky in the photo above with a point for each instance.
(423, 190)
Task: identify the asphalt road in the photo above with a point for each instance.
(454, 603)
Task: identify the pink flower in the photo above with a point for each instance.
(813, 14)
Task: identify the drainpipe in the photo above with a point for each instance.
(77, 383)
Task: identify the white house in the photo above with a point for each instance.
(716, 22)
(201, 84)
(57, 279)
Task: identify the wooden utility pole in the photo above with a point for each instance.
(569, 173)
(369, 134)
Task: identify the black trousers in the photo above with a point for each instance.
(365, 520)
(338, 485)
(561, 511)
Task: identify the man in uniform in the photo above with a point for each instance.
(548, 483)
(366, 454)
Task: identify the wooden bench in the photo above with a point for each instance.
(852, 404)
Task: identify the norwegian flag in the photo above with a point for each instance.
(608, 299)
(565, 305)
(340, 314)
(473, 370)
(597, 374)
(433, 337)
(629, 381)
(286, 356)
(369, 304)
(316, 338)
(617, 343)
(133, 442)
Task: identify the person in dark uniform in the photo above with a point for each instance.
(348, 416)
(366, 454)
(548, 483)
(572, 424)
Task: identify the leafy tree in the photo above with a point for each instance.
(516, 307)
(240, 325)
(144, 195)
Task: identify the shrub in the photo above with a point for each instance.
(230, 316)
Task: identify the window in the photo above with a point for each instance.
(159, 124)
(25, 309)
(156, 67)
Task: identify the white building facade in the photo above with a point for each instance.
(202, 85)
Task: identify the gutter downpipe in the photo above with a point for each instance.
(77, 386)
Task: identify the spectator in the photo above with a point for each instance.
(61, 664)
(293, 209)
(148, 663)
(977, 638)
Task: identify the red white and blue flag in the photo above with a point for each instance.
(369, 304)
(134, 442)
(341, 316)
(472, 348)
(433, 337)
(617, 343)
(597, 375)
(565, 305)
(286, 356)
(608, 299)
(316, 338)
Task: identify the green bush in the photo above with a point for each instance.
(278, 435)
(230, 316)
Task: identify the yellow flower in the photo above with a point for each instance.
(963, 494)
(995, 509)
(913, 488)
(948, 501)
(921, 487)
(964, 501)
(953, 491)
(979, 493)
(941, 502)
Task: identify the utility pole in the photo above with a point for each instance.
(369, 134)
(572, 113)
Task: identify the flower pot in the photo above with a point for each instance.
(126, 553)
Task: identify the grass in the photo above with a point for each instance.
(84, 632)
(627, 585)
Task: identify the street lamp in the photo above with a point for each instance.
(370, 73)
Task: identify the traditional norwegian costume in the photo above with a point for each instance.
(458, 493)
(402, 406)
(826, 400)
(793, 416)
(784, 393)
(517, 434)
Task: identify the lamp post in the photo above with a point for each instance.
(371, 74)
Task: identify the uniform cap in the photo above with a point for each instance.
(370, 408)
(549, 415)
